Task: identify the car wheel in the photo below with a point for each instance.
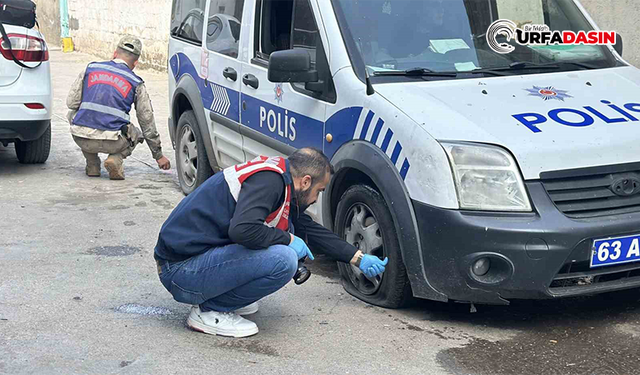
(34, 152)
(191, 155)
(364, 220)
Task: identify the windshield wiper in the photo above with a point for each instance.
(498, 71)
(555, 64)
(522, 65)
(424, 72)
(416, 72)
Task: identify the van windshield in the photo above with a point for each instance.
(432, 36)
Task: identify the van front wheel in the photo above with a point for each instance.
(364, 220)
(191, 156)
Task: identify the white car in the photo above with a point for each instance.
(25, 95)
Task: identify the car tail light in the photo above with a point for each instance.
(34, 106)
(25, 48)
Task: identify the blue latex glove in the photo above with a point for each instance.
(372, 266)
(301, 248)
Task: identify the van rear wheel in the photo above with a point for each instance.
(364, 220)
(191, 156)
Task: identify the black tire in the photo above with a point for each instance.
(193, 170)
(34, 152)
(394, 289)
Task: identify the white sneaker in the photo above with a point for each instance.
(219, 323)
(248, 310)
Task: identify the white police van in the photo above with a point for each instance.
(484, 177)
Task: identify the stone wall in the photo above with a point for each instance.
(97, 25)
(48, 12)
(621, 16)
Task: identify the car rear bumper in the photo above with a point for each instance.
(536, 255)
(23, 130)
(33, 87)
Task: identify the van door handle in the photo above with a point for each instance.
(251, 81)
(230, 73)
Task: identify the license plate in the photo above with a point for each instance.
(617, 250)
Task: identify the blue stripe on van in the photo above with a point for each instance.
(387, 140)
(404, 169)
(396, 153)
(276, 122)
(219, 99)
(376, 131)
(365, 126)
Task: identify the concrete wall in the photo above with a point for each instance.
(97, 25)
(521, 10)
(621, 16)
(48, 12)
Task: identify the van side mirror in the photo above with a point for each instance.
(618, 45)
(293, 66)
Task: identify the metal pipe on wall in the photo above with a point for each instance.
(67, 43)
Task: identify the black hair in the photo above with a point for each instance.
(130, 57)
(312, 162)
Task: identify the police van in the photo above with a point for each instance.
(483, 176)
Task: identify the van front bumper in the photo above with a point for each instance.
(536, 255)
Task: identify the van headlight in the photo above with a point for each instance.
(487, 178)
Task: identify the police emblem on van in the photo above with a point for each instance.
(548, 93)
(279, 92)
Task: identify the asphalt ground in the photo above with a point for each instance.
(79, 293)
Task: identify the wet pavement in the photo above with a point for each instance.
(580, 336)
(79, 293)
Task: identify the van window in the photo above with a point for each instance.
(287, 24)
(187, 20)
(305, 31)
(274, 27)
(290, 24)
(223, 30)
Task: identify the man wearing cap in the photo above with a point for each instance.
(100, 101)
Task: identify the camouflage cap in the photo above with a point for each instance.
(131, 44)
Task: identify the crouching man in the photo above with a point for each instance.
(239, 236)
(100, 101)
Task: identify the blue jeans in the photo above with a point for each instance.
(227, 278)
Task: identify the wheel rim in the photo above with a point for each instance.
(361, 229)
(188, 156)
